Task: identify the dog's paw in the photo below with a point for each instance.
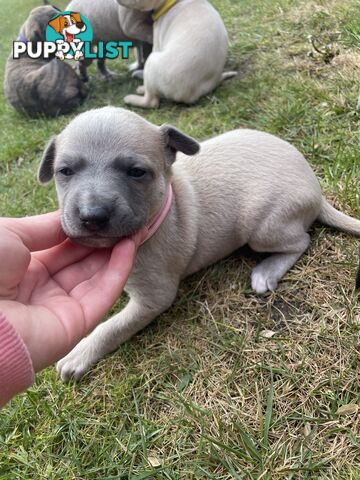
(140, 90)
(262, 281)
(109, 76)
(132, 100)
(139, 101)
(139, 74)
(78, 55)
(60, 55)
(77, 362)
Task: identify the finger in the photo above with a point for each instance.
(98, 294)
(61, 256)
(38, 232)
(14, 261)
(85, 269)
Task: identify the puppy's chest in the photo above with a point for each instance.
(145, 273)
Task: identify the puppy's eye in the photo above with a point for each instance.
(66, 171)
(136, 172)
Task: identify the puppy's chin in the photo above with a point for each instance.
(81, 238)
(95, 242)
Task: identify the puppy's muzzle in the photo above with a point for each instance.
(95, 218)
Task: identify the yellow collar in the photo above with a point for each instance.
(160, 11)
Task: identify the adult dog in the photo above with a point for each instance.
(114, 175)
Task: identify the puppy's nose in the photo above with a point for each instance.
(94, 218)
(80, 24)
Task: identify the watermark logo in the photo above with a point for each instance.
(69, 35)
(69, 30)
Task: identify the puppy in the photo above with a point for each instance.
(114, 174)
(41, 86)
(114, 23)
(189, 51)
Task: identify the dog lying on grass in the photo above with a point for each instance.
(40, 86)
(115, 174)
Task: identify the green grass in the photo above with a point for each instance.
(203, 393)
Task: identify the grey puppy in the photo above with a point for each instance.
(41, 86)
(113, 23)
(112, 170)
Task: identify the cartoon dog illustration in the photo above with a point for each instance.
(68, 26)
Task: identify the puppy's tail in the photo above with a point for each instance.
(357, 280)
(332, 217)
(227, 75)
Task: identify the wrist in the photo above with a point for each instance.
(16, 368)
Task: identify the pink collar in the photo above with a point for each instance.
(156, 221)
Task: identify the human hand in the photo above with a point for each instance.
(52, 291)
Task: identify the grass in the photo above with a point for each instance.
(225, 384)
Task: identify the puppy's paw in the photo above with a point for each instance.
(145, 102)
(134, 66)
(139, 74)
(262, 281)
(133, 100)
(140, 90)
(60, 55)
(78, 361)
(78, 55)
(109, 76)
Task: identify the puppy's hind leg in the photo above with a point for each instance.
(109, 335)
(151, 97)
(266, 275)
(147, 101)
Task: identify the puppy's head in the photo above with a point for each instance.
(111, 169)
(143, 5)
(35, 25)
(68, 25)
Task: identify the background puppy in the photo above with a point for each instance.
(114, 23)
(41, 86)
(112, 172)
(189, 52)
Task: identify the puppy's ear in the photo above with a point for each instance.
(76, 16)
(177, 141)
(46, 168)
(35, 36)
(56, 24)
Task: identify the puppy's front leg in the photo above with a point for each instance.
(105, 72)
(109, 335)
